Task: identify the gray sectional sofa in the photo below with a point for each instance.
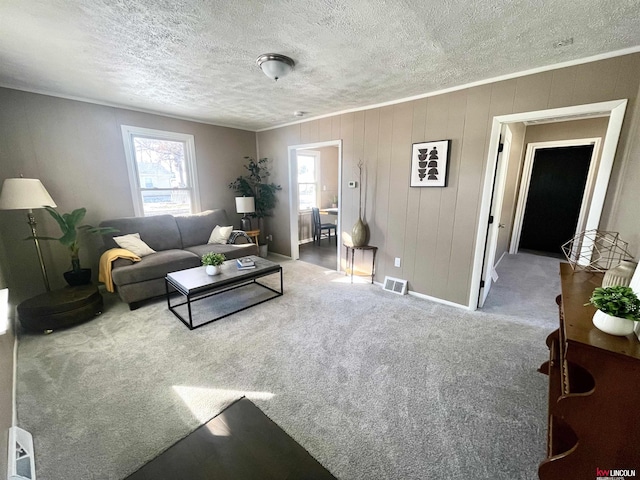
(179, 242)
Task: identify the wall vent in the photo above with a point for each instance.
(395, 285)
(21, 459)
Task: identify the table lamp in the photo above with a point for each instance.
(27, 194)
(245, 205)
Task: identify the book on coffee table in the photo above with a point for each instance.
(245, 263)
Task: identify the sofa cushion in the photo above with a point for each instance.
(230, 251)
(220, 234)
(159, 232)
(196, 229)
(156, 265)
(132, 242)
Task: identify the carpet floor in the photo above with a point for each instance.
(372, 384)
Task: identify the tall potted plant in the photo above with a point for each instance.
(256, 184)
(71, 233)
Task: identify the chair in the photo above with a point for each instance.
(318, 227)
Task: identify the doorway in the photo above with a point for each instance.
(614, 110)
(322, 191)
(554, 197)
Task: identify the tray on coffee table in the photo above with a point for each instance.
(194, 285)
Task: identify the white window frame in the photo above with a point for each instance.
(316, 166)
(128, 133)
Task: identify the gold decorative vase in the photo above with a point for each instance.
(359, 234)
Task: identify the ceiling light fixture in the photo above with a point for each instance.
(274, 65)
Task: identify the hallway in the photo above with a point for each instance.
(527, 287)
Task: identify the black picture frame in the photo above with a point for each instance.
(430, 163)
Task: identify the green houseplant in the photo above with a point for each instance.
(618, 307)
(212, 261)
(256, 184)
(71, 234)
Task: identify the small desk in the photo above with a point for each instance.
(253, 234)
(329, 211)
(352, 249)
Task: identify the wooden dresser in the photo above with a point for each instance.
(594, 390)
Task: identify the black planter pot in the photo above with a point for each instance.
(78, 277)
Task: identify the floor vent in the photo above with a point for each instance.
(21, 463)
(395, 285)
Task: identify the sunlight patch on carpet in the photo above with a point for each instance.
(200, 399)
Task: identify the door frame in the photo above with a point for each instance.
(293, 193)
(496, 208)
(614, 109)
(525, 182)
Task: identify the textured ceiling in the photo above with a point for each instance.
(196, 58)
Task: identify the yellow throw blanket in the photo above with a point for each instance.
(107, 258)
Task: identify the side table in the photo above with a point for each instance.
(60, 308)
(352, 249)
(253, 234)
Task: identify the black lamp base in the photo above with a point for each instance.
(245, 223)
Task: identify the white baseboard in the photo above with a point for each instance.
(286, 257)
(500, 259)
(433, 299)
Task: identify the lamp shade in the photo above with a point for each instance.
(24, 194)
(245, 205)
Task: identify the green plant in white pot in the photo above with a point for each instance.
(213, 262)
(618, 307)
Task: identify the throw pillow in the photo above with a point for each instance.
(220, 234)
(133, 243)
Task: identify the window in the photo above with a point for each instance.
(162, 171)
(307, 180)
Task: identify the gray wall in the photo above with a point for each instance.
(621, 213)
(588, 128)
(433, 230)
(328, 175)
(76, 150)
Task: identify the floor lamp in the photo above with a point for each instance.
(27, 194)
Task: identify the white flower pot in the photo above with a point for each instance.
(213, 269)
(612, 325)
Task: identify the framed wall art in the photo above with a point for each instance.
(430, 164)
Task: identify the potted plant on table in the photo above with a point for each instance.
(256, 184)
(71, 234)
(213, 262)
(618, 307)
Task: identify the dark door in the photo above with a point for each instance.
(558, 179)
